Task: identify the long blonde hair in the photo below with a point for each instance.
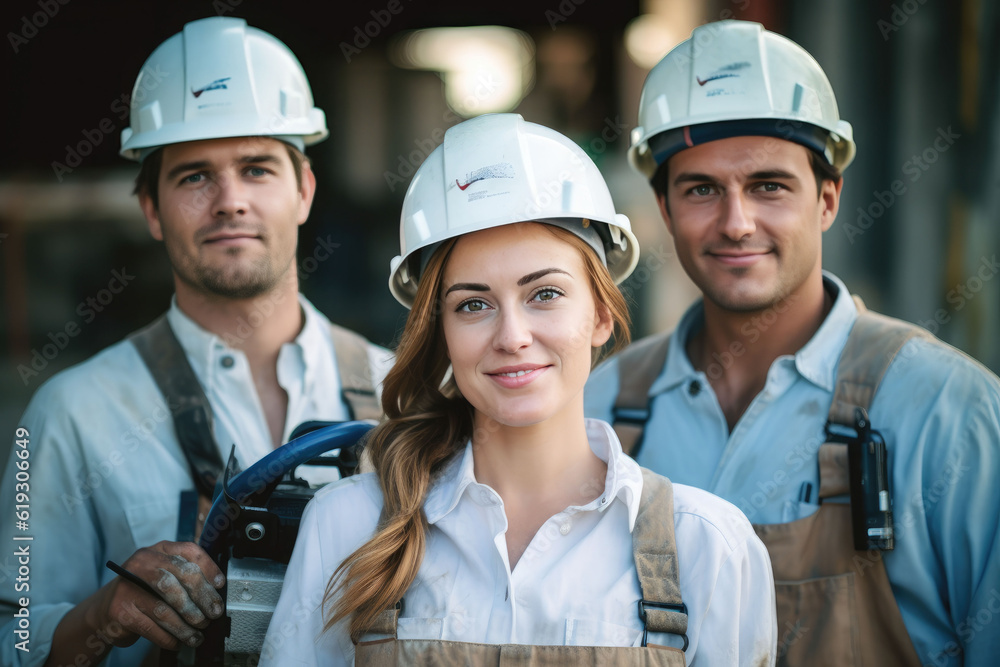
(427, 421)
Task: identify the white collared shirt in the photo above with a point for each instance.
(107, 471)
(575, 584)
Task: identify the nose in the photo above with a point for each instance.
(513, 331)
(230, 197)
(737, 217)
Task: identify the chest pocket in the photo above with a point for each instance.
(421, 628)
(151, 522)
(588, 632)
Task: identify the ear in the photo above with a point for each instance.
(152, 216)
(661, 202)
(603, 326)
(829, 202)
(306, 192)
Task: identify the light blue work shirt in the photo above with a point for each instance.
(939, 412)
(106, 471)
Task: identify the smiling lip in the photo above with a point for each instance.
(231, 238)
(738, 258)
(512, 377)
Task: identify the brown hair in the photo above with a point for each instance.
(147, 181)
(427, 421)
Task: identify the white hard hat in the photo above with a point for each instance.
(734, 78)
(220, 78)
(497, 170)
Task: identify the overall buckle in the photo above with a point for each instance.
(679, 608)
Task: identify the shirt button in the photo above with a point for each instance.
(694, 388)
(564, 529)
(227, 361)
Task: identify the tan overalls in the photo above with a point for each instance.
(656, 565)
(835, 605)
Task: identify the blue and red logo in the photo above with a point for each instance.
(498, 170)
(218, 84)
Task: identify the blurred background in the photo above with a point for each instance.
(917, 235)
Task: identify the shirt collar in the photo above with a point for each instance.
(816, 361)
(204, 348)
(310, 343)
(623, 481)
(678, 368)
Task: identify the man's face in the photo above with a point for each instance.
(746, 219)
(229, 212)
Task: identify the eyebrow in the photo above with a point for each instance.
(482, 287)
(197, 165)
(531, 277)
(470, 287)
(694, 177)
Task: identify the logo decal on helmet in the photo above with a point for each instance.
(215, 85)
(498, 170)
(726, 72)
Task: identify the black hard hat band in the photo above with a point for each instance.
(667, 144)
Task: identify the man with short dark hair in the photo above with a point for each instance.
(116, 454)
(864, 450)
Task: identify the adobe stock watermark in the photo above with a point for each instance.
(707, 36)
(565, 9)
(408, 164)
(913, 513)
(95, 474)
(322, 252)
(899, 15)
(31, 25)
(148, 79)
(968, 630)
(751, 330)
(962, 293)
(914, 168)
(87, 310)
(381, 18)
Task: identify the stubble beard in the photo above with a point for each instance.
(233, 279)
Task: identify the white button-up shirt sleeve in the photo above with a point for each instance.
(575, 584)
(106, 470)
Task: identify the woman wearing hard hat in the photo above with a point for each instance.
(499, 523)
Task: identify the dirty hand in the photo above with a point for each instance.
(186, 579)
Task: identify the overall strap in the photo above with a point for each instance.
(638, 367)
(356, 386)
(192, 414)
(873, 343)
(655, 550)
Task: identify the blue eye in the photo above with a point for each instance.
(193, 178)
(257, 171)
(702, 190)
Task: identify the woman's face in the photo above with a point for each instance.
(520, 320)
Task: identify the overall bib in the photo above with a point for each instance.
(661, 610)
(835, 604)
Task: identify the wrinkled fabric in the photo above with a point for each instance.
(939, 412)
(575, 584)
(106, 470)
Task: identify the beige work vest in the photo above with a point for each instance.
(835, 605)
(655, 553)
